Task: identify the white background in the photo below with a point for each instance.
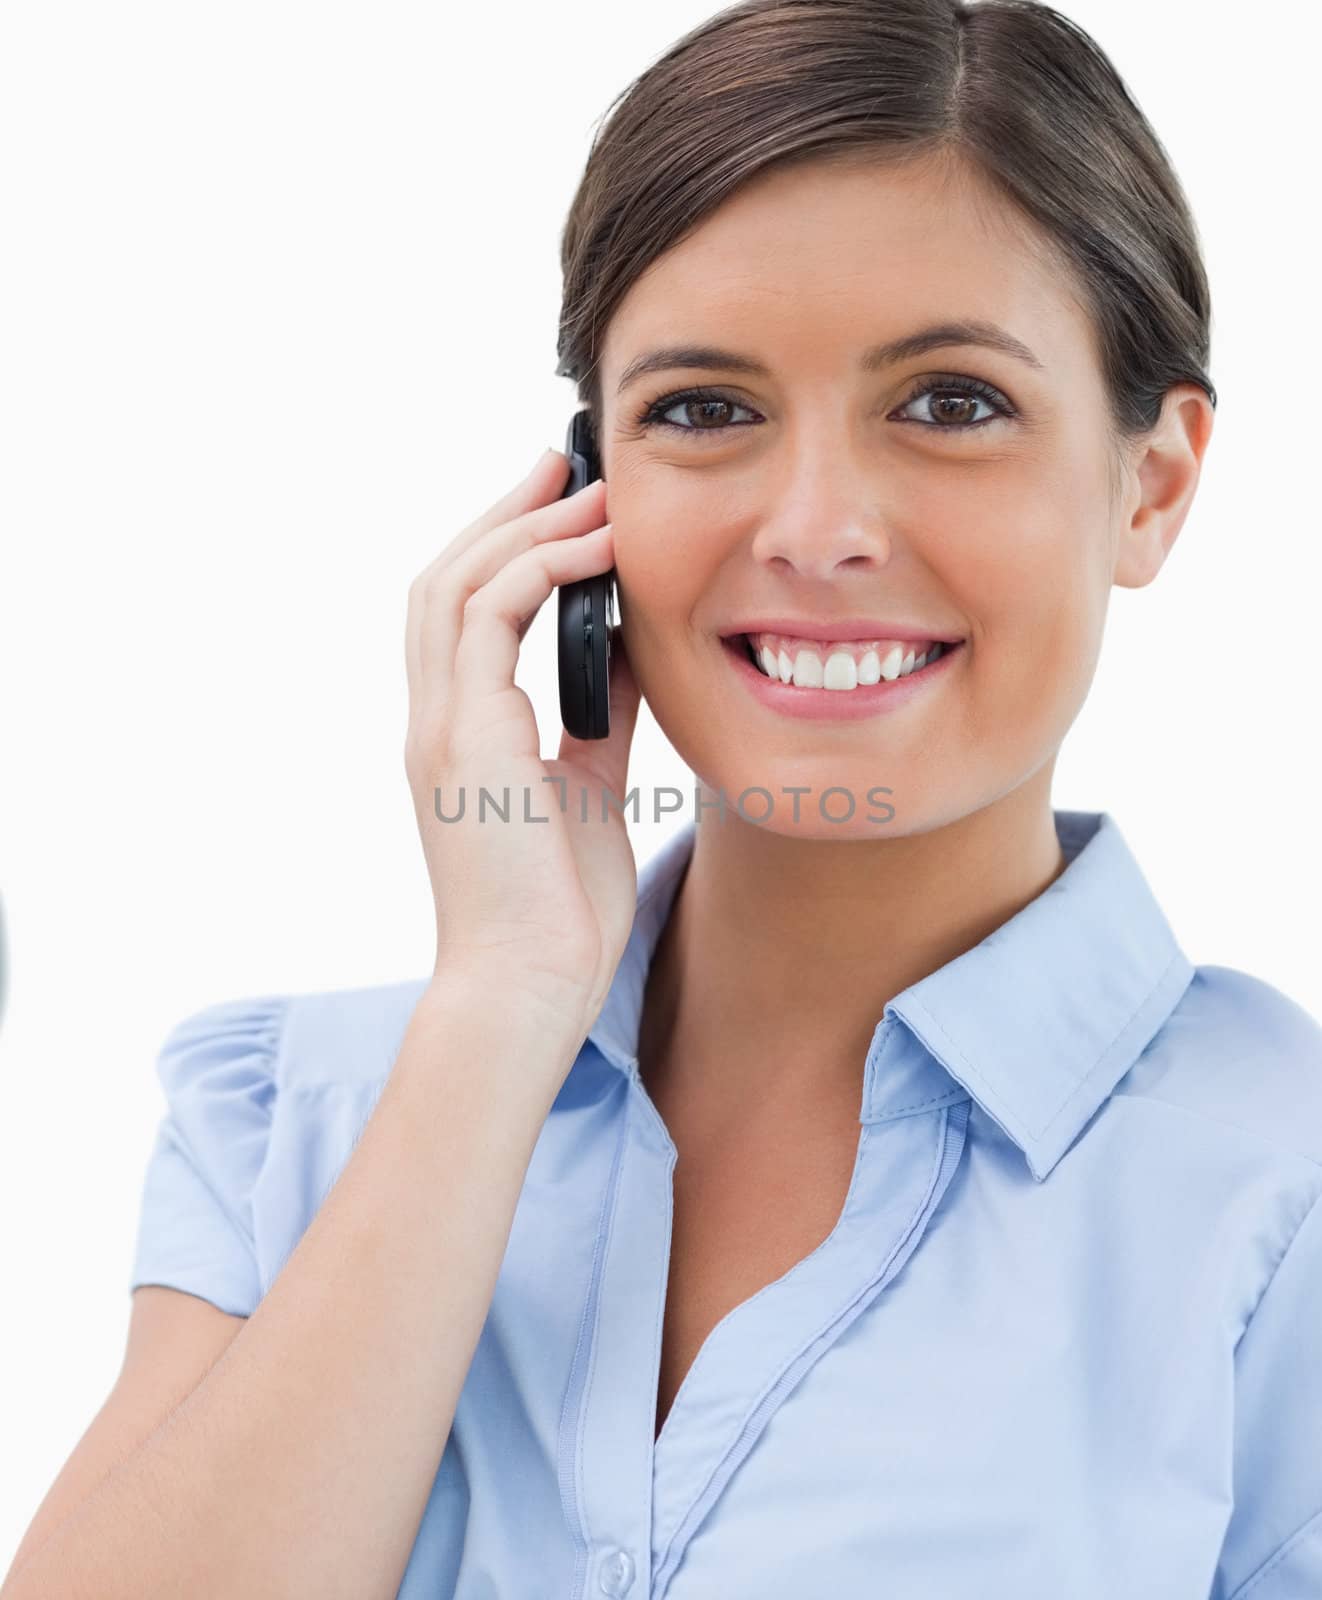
(278, 304)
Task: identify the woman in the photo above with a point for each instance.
(871, 1198)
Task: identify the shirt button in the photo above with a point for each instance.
(616, 1572)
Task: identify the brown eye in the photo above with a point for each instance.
(705, 412)
(955, 407)
(951, 404)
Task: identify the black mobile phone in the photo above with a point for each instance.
(587, 610)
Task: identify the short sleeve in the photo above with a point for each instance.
(1273, 1544)
(195, 1224)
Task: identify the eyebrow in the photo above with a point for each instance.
(941, 335)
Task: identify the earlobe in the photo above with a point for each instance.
(1166, 478)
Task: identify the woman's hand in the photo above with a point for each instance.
(539, 907)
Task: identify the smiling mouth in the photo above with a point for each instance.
(837, 667)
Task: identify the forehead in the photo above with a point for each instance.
(812, 261)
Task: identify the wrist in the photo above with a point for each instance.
(541, 1008)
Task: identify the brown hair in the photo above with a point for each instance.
(1012, 86)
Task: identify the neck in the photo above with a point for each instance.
(780, 954)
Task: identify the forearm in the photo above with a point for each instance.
(302, 1463)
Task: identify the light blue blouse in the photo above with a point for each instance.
(1063, 1343)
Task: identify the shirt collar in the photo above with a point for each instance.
(1038, 1022)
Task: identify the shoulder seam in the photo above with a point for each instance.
(1314, 1523)
(1315, 1204)
(1292, 1151)
(279, 1035)
(1310, 1528)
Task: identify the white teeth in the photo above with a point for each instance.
(808, 670)
(840, 671)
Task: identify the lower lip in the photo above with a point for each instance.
(837, 705)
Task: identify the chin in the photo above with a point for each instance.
(803, 805)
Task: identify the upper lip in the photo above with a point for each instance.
(845, 628)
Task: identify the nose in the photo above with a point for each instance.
(819, 542)
(823, 517)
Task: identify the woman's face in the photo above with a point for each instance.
(819, 491)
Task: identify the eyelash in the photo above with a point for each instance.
(652, 415)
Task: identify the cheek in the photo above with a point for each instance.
(665, 565)
(1026, 555)
(1027, 565)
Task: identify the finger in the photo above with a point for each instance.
(544, 482)
(444, 589)
(488, 646)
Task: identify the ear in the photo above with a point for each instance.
(1161, 478)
